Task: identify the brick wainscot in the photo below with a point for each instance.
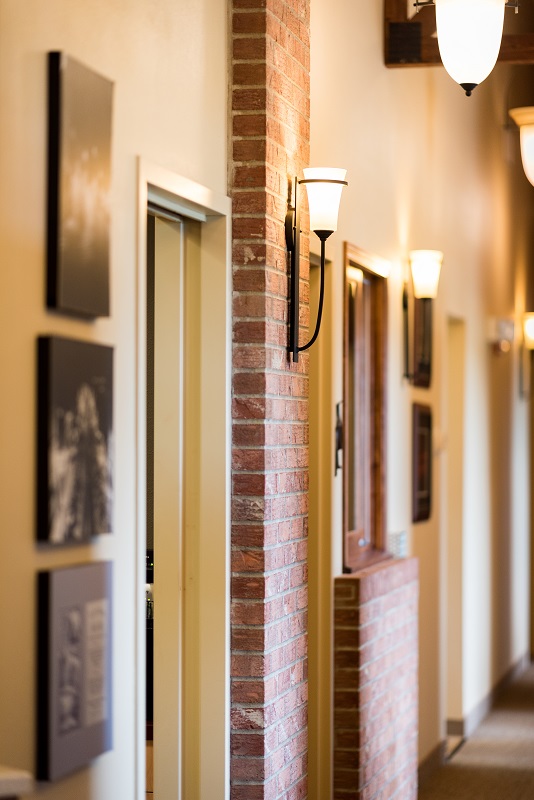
(375, 682)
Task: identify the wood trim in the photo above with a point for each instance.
(356, 257)
(380, 336)
(376, 269)
(411, 43)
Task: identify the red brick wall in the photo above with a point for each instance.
(375, 682)
(270, 145)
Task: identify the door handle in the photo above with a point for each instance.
(338, 437)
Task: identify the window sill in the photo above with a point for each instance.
(366, 559)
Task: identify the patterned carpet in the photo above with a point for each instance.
(497, 762)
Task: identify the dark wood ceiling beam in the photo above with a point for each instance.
(517, 48)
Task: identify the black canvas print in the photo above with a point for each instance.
(421, 462)
(75, 440)
(79, 180)
(74, 668)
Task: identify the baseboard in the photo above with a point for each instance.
(467, 726)
(431, 763)
(455, 727)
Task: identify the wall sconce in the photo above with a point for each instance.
(528, 330)
(425, 270)
(524, 119)
(469, 37)
(324, 186)
(500, 334)
(525, 361)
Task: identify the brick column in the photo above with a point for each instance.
(270, 145)
(376, 682)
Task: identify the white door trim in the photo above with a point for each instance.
(212, 589)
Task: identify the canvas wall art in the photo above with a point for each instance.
(79, 181)
(75, 440)
(422, 462)
(74, 722)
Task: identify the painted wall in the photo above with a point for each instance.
(168, 63)
(428, 167)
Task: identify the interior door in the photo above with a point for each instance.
(165, 448)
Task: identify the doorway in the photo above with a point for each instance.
(165, 448)
(321, 544)
(453, 510)
(183, 443)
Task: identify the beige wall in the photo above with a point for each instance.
(428, 167)
(168, 63)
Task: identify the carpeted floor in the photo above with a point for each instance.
(497, 762)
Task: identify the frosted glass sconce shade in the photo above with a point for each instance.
(324, 186)
(426, 267)
(528, 331)
(469, 38)
(524, 119)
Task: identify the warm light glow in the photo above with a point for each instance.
(426, 266)
(524, 118)
(324, 198)
(469, 38)
(354, 274)
(528, 331)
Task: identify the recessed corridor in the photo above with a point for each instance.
(497, 762)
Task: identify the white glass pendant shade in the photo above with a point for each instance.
(528, 331)
(324, 197)
(524, 118)
(469, 38)
(426, 266)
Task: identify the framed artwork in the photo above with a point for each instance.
(422, 462)
(74, 440)
(74, 721)
(422, 342)
(79, 180)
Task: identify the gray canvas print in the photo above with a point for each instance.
(69, 693)
(74, 701)
(75, 440)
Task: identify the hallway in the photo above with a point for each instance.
(497, 762)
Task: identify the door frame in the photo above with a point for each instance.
(452, 529)
(210, 583)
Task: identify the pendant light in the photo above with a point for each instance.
(469, 38)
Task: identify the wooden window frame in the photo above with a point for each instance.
(375, 271)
